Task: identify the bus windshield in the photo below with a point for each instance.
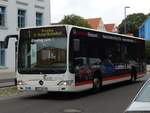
(42, 50)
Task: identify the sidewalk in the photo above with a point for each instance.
(7, 79)
(7, 75)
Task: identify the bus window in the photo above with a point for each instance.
(42, 50)
(76, 44)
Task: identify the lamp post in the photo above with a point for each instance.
(125, 24)
(50, 12)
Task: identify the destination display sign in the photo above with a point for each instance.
(117, 38)
(111, 37)
(84, 33)
(43, 32)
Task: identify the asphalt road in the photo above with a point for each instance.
(112, 99)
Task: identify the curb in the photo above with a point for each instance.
(7, 82)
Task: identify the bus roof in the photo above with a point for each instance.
(73, 26)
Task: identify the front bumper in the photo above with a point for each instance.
(46, 88)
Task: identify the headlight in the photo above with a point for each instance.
(65, 83)
(20, 82)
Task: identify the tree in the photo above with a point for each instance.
(133, 22)
(75, 20)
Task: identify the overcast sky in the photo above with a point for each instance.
(111, 11)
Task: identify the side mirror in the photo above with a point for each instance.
(76, 45)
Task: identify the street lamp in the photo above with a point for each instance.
(50, 12)
(125, 24)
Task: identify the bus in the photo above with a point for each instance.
(66, 58)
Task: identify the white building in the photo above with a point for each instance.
(15, 14)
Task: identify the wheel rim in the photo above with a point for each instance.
(96, 83)
(132, 78)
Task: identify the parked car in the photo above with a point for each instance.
(141, 102)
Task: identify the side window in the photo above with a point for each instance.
(112, 51)
(124, 52)
(21, 18)
(76, 45)
(128, 51)
(94, 61)
(2, 16)
(109, 47)
(78, 62)
(39, 19)
(2, 54)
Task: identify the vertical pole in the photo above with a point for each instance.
(125, 24)
(49, 11)
(125, 20)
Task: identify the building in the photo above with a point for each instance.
(144, 29)
(15, 14)
(96, 23)
(111, 28)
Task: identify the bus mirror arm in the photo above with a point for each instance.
(6, 41)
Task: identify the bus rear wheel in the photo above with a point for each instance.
(133, 75)
(97, 84)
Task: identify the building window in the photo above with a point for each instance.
(21, 18)
(39, 19)
(2, 16)
(2, 54)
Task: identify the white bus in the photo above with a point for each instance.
(67, 58)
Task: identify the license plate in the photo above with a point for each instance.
(28, 88)
(41, 89)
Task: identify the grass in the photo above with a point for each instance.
(8, 91)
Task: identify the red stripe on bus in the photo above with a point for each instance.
(141, 74)
(84, 82)
(115, 77)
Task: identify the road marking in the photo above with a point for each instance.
(70, 110)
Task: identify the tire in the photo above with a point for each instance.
(97, 84)
(132, 78)
(133, 75)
